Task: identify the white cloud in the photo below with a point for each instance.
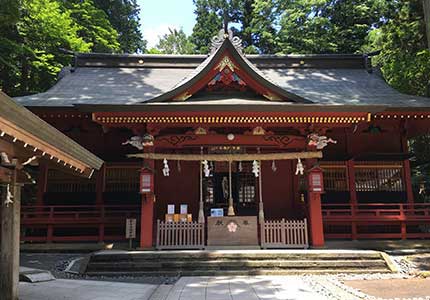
(153, 34)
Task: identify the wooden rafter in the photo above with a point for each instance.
(21, 135)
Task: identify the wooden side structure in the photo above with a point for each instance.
(284, 234)
(180, 235)
(25, 139)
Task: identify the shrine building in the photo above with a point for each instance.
(229, 150)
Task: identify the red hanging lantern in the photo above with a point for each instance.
(315, 180)
(146, 181)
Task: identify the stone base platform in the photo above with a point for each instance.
(236, 262)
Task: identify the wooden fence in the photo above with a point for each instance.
(180, 235)
(67, 223)
(284, 234)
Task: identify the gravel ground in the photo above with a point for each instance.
(58, 262)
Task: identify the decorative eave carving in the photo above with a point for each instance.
(272, 97)
(182, 97)
(226, 62)
(222, 35)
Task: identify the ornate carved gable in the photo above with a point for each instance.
(227, 72)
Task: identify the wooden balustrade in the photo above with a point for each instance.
(284, 234)
(40, 222)
(402, 220)
(180, 235)
(378, 211)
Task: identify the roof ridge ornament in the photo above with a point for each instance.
(223, 35)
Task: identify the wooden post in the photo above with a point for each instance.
(147, 212)
(100, 185)
(315, 210)
(408, 181)
(201, 218)
(230, 211)
(316, 220)
(403, 227)
(10, 229)
(352, 196)
(426, 4)
(260, 193)
(42, 183)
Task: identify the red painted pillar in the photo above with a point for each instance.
(352, 196)
(147, 213)
(316, 220)
(315, 183)
(147, 222)
(408, 181)
(42, 182)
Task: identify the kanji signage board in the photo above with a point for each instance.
(130, 229)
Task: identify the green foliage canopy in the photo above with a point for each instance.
(33, 34)
(123, 15)
(175, 42)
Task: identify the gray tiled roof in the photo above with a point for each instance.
(107, 86)
(343, 87)
(98, 85)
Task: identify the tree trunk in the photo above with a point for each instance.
(426, 4)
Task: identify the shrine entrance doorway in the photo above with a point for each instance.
(244, 189)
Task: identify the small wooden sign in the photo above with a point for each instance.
(130, 229)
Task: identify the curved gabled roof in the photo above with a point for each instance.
(142, 79)
(206, 68)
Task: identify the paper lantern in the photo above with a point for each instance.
(146, 181)
(315, 180)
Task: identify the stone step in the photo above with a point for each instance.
(229, 257)
(232, 265)
(238, 272)
(235, 262)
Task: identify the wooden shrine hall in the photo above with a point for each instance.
(229, 149)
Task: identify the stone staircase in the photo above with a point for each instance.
(245, 262)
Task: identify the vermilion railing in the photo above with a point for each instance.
(78, 223)
(377, 220)
(379, 211)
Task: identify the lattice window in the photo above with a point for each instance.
(60, 182)
(247, 190)
(122, 179)
(208, 190)
(335, 176)
(379, 176)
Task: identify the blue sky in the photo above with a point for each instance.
(158, 15)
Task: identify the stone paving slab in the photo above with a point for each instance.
(393, 288)
(238, 288)
(65, 289)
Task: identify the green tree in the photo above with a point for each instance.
(404, 58)
(94, 26)
(328, 26)
(304, 28)
(208, 23)
(175, 42)
(10, 47)
(124, 17)
(263, 23)
(30, 46)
